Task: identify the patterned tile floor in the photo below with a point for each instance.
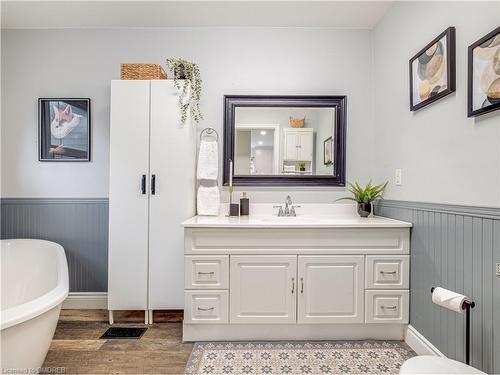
(298, 357)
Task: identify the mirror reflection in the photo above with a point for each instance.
(284, 141)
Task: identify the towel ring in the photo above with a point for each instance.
(209, 132)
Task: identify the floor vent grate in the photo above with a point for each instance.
(123, 333)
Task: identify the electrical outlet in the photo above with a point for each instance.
(398, 177)
(497, 269)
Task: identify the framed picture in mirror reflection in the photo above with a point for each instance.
(328, 151)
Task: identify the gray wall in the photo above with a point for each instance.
(79, 225)
(454, 247)
(445, 156)
(72, 62)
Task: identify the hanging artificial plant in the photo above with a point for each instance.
(189, 98)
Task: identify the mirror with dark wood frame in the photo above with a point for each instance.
(285, 140)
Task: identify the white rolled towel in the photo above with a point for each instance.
(208, 161)
(448, 299)
(208, 200)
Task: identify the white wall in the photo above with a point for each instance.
(445, 156)
(280, 61)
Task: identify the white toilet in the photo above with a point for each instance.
(429, 364)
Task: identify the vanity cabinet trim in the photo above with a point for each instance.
(285, 332)
(298, 241)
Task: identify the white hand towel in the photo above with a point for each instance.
(208, 201)
(208, 161)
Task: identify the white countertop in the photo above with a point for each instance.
(301, 221)
(314, 216)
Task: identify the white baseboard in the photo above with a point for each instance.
(86, 301)
(419, 343)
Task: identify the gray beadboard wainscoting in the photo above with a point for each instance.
(455, 247)
(79, 225)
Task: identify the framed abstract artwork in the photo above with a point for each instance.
(432, 70)
(328, 151)
(64, 129)
(483, 84)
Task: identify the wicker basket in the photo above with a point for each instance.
(297, 122)
(142, 71)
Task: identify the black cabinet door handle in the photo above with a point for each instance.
(153, 184)
(143, 184)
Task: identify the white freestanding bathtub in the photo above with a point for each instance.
(34, 285)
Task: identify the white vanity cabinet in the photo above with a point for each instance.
(251, 280)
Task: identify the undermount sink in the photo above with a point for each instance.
(279, 219)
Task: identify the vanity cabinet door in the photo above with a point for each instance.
(331, 289)
(263, 289)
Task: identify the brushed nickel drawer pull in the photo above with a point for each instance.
(206, 273)
(206, 309)
(389, 307)
(388, 272)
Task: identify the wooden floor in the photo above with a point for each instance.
(76, 346)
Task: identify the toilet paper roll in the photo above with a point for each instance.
(448, 299)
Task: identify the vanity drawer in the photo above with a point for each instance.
(206, 306)
(206, 272)
(386, 306)
(387, 271)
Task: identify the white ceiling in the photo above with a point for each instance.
(90, 14)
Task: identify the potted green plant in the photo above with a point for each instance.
(189, 98)
(302, 167)
(365, 196)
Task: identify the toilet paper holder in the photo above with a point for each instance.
(466, 305)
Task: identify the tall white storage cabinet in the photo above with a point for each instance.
(151, 191)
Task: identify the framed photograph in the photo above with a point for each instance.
(328, 151)
(64, 129)
(483, 84)
(432, 71)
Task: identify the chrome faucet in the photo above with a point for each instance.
(289, 208)
(288, 203)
